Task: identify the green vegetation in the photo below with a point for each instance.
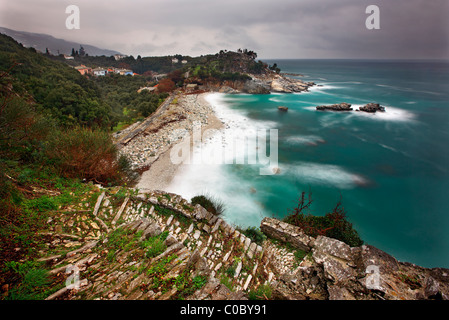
(35, 282)
(210, 203)
(334, 224)
(155, 245)
(53, 136)
(126, 104)
(263, 292)
(254, 234)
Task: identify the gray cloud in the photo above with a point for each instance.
(274, 29)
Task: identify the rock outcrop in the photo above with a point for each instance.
(289, 85)
(335, 271)
(372, 108)
(282, 108)
(336, 107)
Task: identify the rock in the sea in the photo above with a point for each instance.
(282, 108)
(276, 170)
(372, 107)
(336, 107)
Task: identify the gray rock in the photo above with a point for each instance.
(286, 232)
(336, 107)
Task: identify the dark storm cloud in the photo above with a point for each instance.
(281, 29)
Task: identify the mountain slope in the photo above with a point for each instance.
(41, 41)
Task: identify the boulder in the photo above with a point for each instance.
(336, 107)
(372, 108)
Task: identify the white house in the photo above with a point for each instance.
(119, 56)
(99, 72)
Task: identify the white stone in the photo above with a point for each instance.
(238, 269)
(197, 234)
(248, 280)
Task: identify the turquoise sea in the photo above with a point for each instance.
(391, 169)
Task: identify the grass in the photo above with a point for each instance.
(33, 281)
(155, 245)
(254, 234)
(263, 292)
(210, 203)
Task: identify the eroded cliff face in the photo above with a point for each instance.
(262, 84)
(335, 271)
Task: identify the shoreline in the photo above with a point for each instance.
(161, 171)
(149, 149)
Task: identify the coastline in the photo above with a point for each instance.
(161, 170)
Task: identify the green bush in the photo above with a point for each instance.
(210, 203)
(255, 235)
(333, 224)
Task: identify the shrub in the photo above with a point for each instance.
(334, 224)
(87, 154)
(255, 235)
(166, 85)
(210, 203)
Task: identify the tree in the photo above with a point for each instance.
(177, 76)
(166, 85)
(82, 52)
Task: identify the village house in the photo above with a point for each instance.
(99, 72)
(126, 72)
(83, 69)
(119, 56)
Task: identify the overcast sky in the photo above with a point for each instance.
(272, 28)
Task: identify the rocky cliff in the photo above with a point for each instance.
(159, 246)
(335, 271)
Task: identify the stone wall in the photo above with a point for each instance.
(200, 244)
(286, 232)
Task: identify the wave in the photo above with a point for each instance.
(236, 119)
(324, 174)
(390, 114)
(323, 86)
(406, 89)
(388, 147)
(233, 185)
(307, 140)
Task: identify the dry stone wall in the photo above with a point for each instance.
(158, 246)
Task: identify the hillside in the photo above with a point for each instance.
(117, 244)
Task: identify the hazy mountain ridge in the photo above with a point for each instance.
(41, 41)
